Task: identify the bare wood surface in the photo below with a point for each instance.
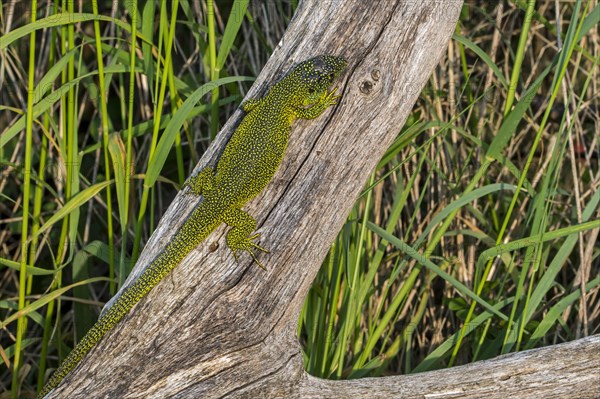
(214, 328)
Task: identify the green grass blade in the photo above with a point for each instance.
(45, 299)
(410, 251)
(556, 311)
(31, 270)
(534, 240)
(484, 57)
(73, 204)
(48, 79)
(459, 203)
(52, 21)
(430, 362)
(234, 22)
(47, 102)
(547, 281)
(591, 21)
(116, 148)
(22, 325)
(516, 70)
(510, 123)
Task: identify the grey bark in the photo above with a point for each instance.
(214, 328)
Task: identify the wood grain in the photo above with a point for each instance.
(215, 328)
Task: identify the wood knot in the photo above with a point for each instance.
(375, 74)
(213, 246)
(366, 87)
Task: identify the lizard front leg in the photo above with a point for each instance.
(318, 107)
(250, 104)
(240, 236)
(202, 182)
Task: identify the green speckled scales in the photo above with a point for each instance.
(248, 163)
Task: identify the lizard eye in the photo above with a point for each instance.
(311, 90)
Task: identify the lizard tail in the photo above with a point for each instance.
(200, 224)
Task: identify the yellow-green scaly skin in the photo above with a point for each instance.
(248, 163)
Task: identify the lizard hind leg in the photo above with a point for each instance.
(240, 236)
(202, 182)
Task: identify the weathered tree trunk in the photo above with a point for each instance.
(214, 328)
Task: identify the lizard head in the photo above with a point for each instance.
(314, 76)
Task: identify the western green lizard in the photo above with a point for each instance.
(248, 163)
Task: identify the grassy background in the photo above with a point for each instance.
(490, 191)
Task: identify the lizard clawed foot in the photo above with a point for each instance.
(255, 236)
(246, 244)
(331, 98)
